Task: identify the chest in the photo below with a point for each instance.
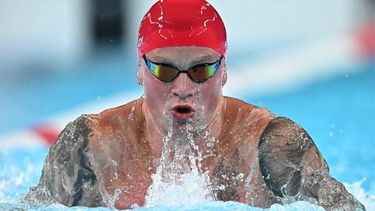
(232, 177)
(235, 176)
(126, 173)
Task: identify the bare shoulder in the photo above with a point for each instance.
(243, 114)
(67, 171)
(115, 126)
(294, 169)
(128, 111)
(70, 173)
(282, 147)
(237, 105)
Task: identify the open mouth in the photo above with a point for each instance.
(182, 112)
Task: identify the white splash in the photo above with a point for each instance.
(368, 200)
(189, 189)
(178, 180)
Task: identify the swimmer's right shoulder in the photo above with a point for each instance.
(68, 176)
(129, 112)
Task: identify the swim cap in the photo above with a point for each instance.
(182, 23)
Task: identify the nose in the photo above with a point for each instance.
(183, 86)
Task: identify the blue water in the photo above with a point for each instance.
(49, 89)
(41, 92)
(21, 169)
(337, 112)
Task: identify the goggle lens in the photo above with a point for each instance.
(163, 73)
(202, 73)
(198, 73)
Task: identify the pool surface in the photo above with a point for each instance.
(338, 112)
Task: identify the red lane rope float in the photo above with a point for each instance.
(366, 40)
(46, 132)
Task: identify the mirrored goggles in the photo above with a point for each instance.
(198, 73)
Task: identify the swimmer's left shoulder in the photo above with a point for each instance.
(285, 134)
(237, 107)
(282, 148)
(243, 123)
(293, 168)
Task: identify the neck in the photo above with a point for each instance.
(156, 133)
(213, 129)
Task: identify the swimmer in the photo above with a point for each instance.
(248, 154)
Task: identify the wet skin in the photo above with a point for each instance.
(206, 100)
(230, 160)
(249, 154)
(162, 98)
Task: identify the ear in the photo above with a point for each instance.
(225, 76)
(139, 74)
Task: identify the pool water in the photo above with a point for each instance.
(337, 112)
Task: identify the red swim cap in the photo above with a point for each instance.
(182, 23)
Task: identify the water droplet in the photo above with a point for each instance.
(331, 134)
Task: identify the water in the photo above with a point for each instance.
(22, 168)
(337, 113)
(178, 171)
(212, 206)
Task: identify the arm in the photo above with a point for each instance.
(293, 168)
(67, 175)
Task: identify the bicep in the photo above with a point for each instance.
(280, 159)
(293, 167)
(67, 175)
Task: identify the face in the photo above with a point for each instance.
(182, 101)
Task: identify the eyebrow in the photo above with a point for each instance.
(204, 59)
(199, 60)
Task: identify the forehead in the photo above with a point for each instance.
(183, 54)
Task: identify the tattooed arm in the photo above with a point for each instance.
(294, 169)
(67, 176)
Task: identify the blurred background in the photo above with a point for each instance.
(59, 55)
(312, 61)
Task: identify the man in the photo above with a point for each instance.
(183, 124)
